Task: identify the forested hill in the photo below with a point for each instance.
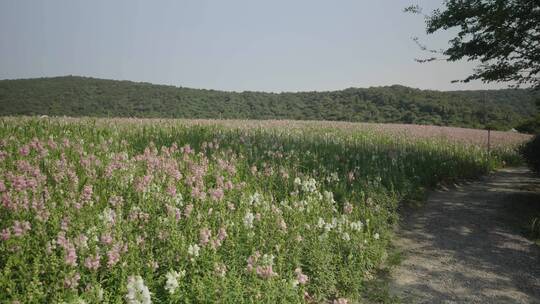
(81, 96)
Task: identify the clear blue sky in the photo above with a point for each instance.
(278, 45)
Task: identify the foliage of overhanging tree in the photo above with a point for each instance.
(504, 35)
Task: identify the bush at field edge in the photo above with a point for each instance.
(531, 153)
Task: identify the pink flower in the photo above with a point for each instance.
(340, 301)
(116, 200)
(222, 234)
(217, 194)
(300, 277)
(71, 255)
(142, 183)
(92, 262)
(72, 281)
(5, 234)
(204, 236)
(20, 228)
(171, 190)
(87, 193)
(18, 183)
(348, 208)
(113, 255)
(220, 180)
(64, 225)
(186, 149)
(2, 186)
(6, 201)
(42, 215)
(106, 238)
(252, 259)
(229, 185)
(197, 193)
(174, 212)
(61, 240)
(51, 144)
(188, 210)
(24, 150)
(265, 272)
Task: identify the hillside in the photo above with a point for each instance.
(81, 96)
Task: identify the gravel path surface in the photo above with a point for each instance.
(459, 248)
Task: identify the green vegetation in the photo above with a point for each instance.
(522, 211)
(502, 36)
(531, 125)
(531, 153)
(139, 211)
(77, 96)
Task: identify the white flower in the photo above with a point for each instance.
(328, 227)
(138, 293)
(357, 226)
(108, 216)
(300, 205)
(193, 250)
(329, 197)
(255, 199)
(92, 234)
(320, 223)
(268, 259)
(248, 220)
(179, 200)
(346, 237)
(376, 236)
(99, 293)
(172, 280)
(333, 177)
(309, 185)
(297, 181)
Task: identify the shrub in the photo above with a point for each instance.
(531, 126)
(531, 153)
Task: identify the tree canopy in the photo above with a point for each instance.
(80, 96)
(503, 35)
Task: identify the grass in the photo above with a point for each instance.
(181, 212)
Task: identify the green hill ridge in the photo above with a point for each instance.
(83, 96)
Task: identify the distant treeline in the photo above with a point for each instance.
(81, 96)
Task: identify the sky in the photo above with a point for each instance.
(233, 45)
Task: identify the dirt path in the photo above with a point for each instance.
(459, 248)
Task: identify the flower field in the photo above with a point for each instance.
(148, 211)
